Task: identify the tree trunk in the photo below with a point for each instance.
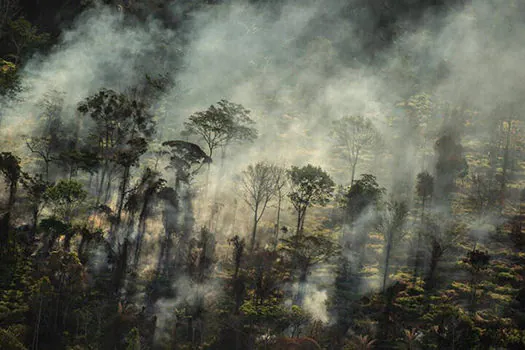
(354, 165)
(122, 195)
(8, 216)
(387, 261)
(254, 229)
(277, 222)
(102, 181)
(303, 276)
(301, 222)
(108, 187)
(505, 165)
(298, 229)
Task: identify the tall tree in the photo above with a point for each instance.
(122, 130)
(186, 159)
(36, 188)
(304, 252)
(310, 185)
(10, 168)
(221, 125)
(391, 227)
(258, 182)
(65, 197)
(450, 164)
(359, 196)
(281, 182)
(352, 136)
(424, 191)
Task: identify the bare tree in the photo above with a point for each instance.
(258, 182)
(42, 147)
(353, 135)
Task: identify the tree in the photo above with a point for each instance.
(352, 136)
(186, 159)
(8, 10)
(360, 195)
(258, 182)
(483, 194)
(221, 125)
(306, 251)
(23, 36)
(10, 83)
(356, 200)
(309, 186)
(476, 262)
(281, 181)
(440, 235)
(65, 197)
(122, 129)
(10, 168)
(391, 226)
(450, 164)
(36, 188)
(149, 187)
(344, 301)
(237, 282)
(42, 146)
(424, 190)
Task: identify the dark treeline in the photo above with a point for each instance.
(119, 232)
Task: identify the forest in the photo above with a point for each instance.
(262, 174)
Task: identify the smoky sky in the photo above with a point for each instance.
(297, 65)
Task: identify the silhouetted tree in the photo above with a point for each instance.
(304, 252)
(309, 186)
(221, 125)
(10, 168)
(391, 226)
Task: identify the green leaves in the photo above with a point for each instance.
(184, 156)
(222, 124)
(65, 197)
(310, 185)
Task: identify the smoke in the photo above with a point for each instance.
(315, 304)
(190, 295)
(100, 50)
(296, 66)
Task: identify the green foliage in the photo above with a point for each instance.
(122, 125)
(9, 79)
(10, 341)
(133, 340)
(363, 193)
(186, 158)
(221, 125)
(309, 186)
(65, 197)
(24, 36)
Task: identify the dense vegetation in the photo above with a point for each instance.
(126, 226)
